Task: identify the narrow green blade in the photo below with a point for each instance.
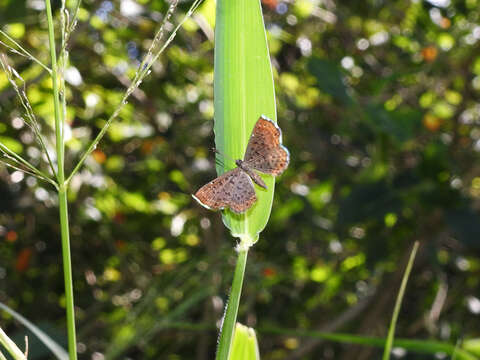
(398, 303)
(245, 346)
(11, 347)
(55, 348)
(244, 90)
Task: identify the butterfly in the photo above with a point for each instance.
(234, 189)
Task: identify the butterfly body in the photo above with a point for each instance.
(234, 189)
(250, 172)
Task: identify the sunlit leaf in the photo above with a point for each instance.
(243, 92)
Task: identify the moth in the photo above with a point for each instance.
(234, 189)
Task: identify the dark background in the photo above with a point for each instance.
(379, 105)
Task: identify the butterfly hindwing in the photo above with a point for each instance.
(265, 151)
(242, 193)
(234, 190)
(273, 162)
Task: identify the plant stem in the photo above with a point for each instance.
(413, 345)
(62, 192)
(141, 73)
(67, 271)
(228, 326)
(398, 303)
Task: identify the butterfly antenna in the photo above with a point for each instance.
(222, 154)
(220, 162)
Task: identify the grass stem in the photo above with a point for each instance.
(413, 345)
(142, 72)
(398, 304)
(230, 319)
(62, 192)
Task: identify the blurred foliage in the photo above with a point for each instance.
(379, 103)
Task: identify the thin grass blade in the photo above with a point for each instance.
(11, 347)
(56, 349)
(413, 345)
(398, 303)
(2, 357)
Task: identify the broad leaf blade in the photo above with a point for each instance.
(244, 90)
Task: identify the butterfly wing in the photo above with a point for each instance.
(234, 190)
(265, 151)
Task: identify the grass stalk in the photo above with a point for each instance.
(62, 191)
(6, 163)
(67, 270)
(59, 98)
(231, 311)
(55, 348)
(30, 118)
(142, 72)
(22, 51)
(413, 345)
(11, 155)
(8, 344)
(398, 304)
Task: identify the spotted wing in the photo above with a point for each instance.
(234, 190)
(265, 151)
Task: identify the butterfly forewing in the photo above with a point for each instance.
(265, 152)
(234, 190)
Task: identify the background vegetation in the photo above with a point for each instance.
(379, 105)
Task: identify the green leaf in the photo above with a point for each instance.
(243, 91)
(245, 346)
